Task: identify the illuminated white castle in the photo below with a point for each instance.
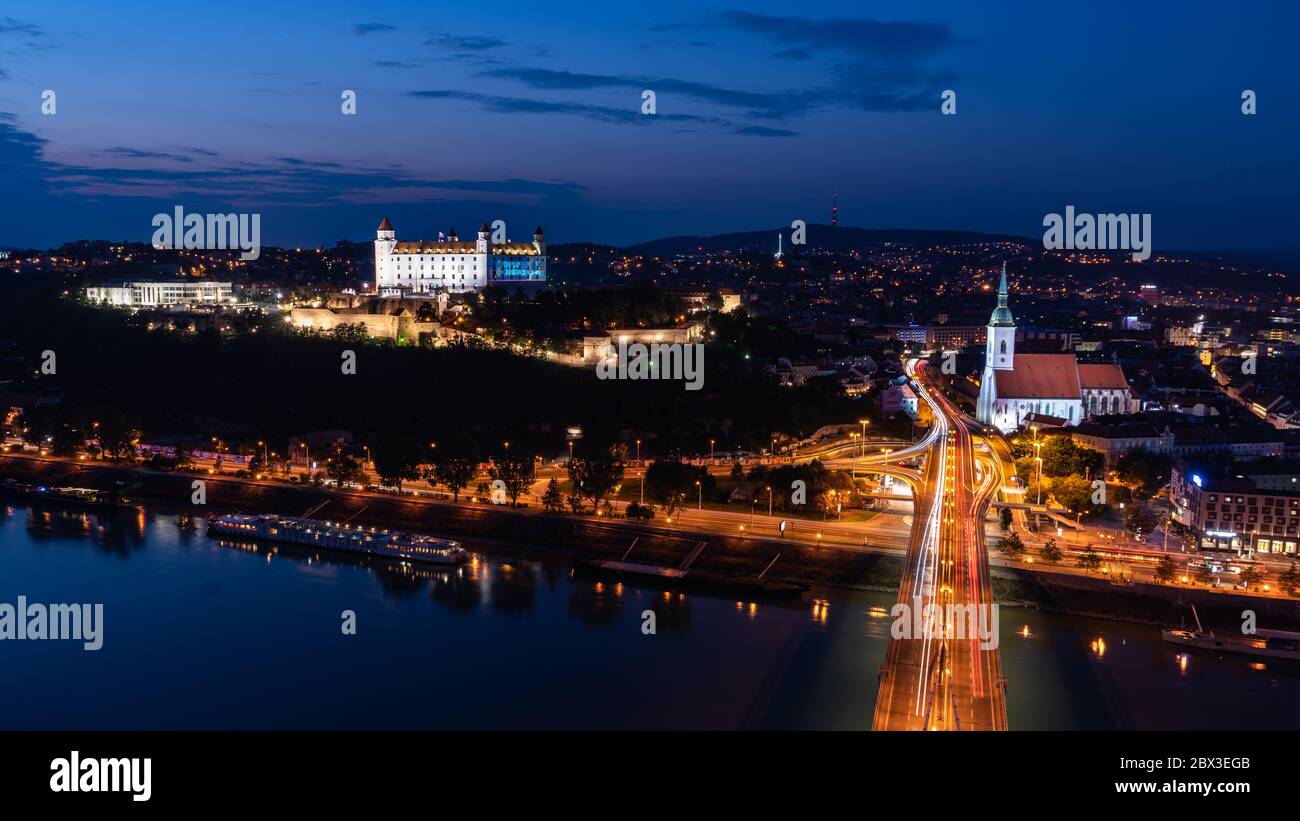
(446, 263)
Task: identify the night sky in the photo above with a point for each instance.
(530, 112)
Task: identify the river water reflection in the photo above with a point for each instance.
(201, 633)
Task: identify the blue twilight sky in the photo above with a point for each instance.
(530, 112)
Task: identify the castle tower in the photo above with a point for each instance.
(779, 252)
(385, 241)
(484, 244)
(1000, 345)
(539, 241)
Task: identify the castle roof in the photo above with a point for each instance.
(451, 246)
(385, 225)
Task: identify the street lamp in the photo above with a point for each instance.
(863, 450)
(699, 489)
(1039, 459)
(710, 451)
(638, 451)
(769, 501)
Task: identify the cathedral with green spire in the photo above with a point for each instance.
(1045, 389)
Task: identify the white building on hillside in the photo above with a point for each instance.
(426, 265)
(162, 293)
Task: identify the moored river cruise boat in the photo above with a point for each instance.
(367, 541)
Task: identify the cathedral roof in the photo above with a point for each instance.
(1040, 376)
(1102, 376)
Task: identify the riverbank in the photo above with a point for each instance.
(485, 524)
(724, 557)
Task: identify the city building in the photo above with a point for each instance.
(1234, 513)
(1052, 384)
(1113, 436)
(162, 293)
(953, 337)
(422, 266)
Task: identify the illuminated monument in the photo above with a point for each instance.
(423, 266)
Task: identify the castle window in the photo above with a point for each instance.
(1004, 346)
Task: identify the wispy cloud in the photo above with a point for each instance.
(9, 25)
(529, 105)
(465, 42)
(138, 154)
(859, 37)
(542, 78)
(361, 29)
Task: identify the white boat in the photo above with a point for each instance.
(1277, 644)
(367, 541)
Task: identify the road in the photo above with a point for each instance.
(942, 669)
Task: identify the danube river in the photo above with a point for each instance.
(207, 634)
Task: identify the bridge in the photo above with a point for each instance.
(944, 672)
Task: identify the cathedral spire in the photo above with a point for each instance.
(1002, 314)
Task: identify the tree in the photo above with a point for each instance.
(455, 464)
(1165, 570)
(118, 431)
(1052, 551)
(737, 471)
(1090, 560)
(1004, 518)
(668, 482)
(1074, 493)
(1250, 576)
(1145, 471)
(1062, 457)
(397, 459)
(1012, 547)
(1203, 574)
(1289, 580)
(595, 471)
(553, 498)
(1139, 520)
(639, 512)
(514, 470)
(342, 468)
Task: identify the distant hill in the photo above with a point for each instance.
(1280, 258)
(840, 238)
